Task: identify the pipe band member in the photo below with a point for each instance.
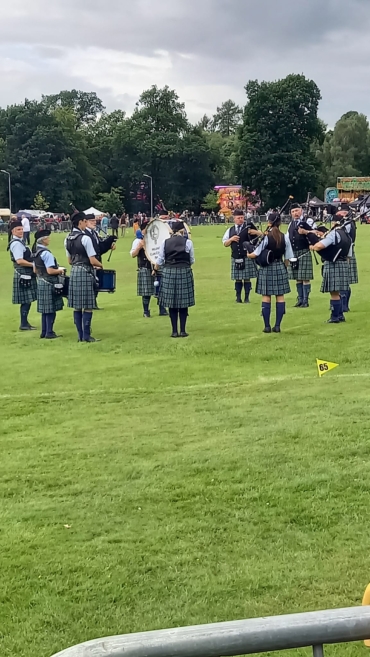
(82, 284)
(273, 278)
(145, 273)
(353, 272)
(335, 249)
(100, 244)
(242, 269)
(176, 255)
(49, 298)
(300, 245)
(24, 280)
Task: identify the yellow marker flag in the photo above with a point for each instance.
(324, 366)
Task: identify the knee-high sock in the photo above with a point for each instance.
(183, 313)
(300, 291)
(43, 325)
(86, 325)
(49, 323)
(349, 292)
(146, 302)
(343, 299)
(25, 309)
(336, 307)
(238, 289)
(173, 316)
(306, 292)
(266, 312)
(247, 289)
(77, 316)
(280, 312)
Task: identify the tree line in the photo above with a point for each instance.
(66, 148)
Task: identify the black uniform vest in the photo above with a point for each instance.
(353, 232)
(142, 260)
(277, 249)
(96, 242)
(76, 249)
(39, 263)
(343, 244)
(175, 252)
(237, 251)
(27, 255)
(298, 242)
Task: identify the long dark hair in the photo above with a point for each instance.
(275, 232)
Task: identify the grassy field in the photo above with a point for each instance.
(201, 480)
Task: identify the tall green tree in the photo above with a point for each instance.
(85, 105)
(280, 124)
(346, 149)
(227, 118)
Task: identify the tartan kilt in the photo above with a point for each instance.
(273, 280)
(353, 273)
(305, 268)
(177, 288)
(335, 276)
(81, 294)
(249, 271)
(145, 282)
(47, 301)
(24, 294)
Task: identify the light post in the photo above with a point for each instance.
(9, 188)
(151, 194)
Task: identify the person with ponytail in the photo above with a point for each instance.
(272, 279)
(49, 286)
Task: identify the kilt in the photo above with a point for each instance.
(335, 276)
(273, 280)
(47, 301)
(305, 268)
(177, 288)
(24, 294)
(353, 273)
(81, 293)
(249, 271)
(145, 282)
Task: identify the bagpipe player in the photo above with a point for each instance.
(273, 255)
(242, 269)
(301, 249)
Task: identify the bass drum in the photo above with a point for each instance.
(156, 233)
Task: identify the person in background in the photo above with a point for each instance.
(48, 272)
(26, 229)
(136, 224)
(114, 224)
(104, 224)
(122, 224)
(24, 281)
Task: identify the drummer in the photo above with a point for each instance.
(24, 281)
(145, 272)
(101, 245)
(48, 272)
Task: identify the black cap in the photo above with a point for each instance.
(295, 206)
(178, 225)
(322, 229)
(42, 233)
(15, 224)
(274, 218)
(238, 213)
(77, 217)
(163, 213)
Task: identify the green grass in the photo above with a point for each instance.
(207, 479)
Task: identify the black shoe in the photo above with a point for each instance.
(246, 301)
(42, 336)
(28, 328)
(174, 335)
(276, 329)
(90, 339)
(267, 330)
(332, 321)
(342, 318)
(305, 304)
(238, 301)
(298, 304)
(52, 336)
(163, 314)
(184, 335)
(97, 308)
(147, 315)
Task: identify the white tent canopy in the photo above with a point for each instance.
(93, 211)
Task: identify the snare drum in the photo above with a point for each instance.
(106, 279)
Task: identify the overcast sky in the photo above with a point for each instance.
(206, 49)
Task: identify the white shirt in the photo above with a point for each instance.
(189, 248)
(227, 234)
(288, 247)
(135, 245)
(26, 225)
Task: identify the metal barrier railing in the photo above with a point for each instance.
(242, 637)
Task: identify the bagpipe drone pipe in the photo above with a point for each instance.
(266, 257)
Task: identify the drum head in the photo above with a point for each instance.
(156, 233)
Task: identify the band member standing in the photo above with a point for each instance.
(273, 279)
(242, 269)
(335, 249)
(82, 284)
(176, 293)
(304, 274)
(353, 273)
(145, 273)
(49, 302)
(24, 280)
(101, 245)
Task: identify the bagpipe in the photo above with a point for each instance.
(266, 257)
